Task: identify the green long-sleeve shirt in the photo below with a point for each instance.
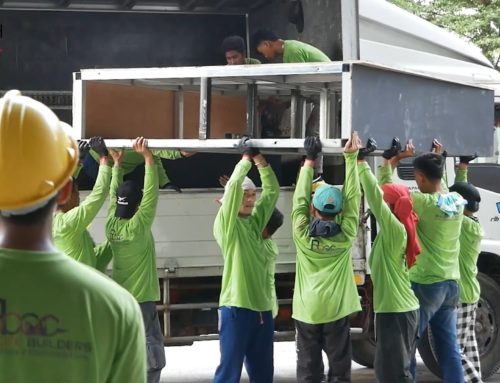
(132, 242)
(470, 247)
(245, 279)
(438, 235)
(298, 52)
(271, 252)
(70, 229)
(389, 273)
(325, 290)
(132, 159)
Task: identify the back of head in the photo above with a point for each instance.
(430, 165)
(38, 156)
(470, 193)
(328, 200)
(234, 43)
(129, 196)
(275, 222)
(263, 35)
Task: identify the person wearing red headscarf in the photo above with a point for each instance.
(393, 252)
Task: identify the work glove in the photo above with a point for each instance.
(467, 159)
(97, 144)
(313, 147)
(83, 149)
(394, 150)
(371, 146)
(245, 147)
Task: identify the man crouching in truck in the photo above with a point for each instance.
(246, 302)
(128, 230)
(325, 291)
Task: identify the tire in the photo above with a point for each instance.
(363, 351)
(487, 331)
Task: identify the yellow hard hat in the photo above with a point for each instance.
(37, 156)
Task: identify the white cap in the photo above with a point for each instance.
(247, 184)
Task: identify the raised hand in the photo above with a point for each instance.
(98, 145)
(353, 144)
(394, 150)
(371, 146)
(117, 156)
(313, 147)
(245, 147)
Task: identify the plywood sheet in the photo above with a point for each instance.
(120, 111)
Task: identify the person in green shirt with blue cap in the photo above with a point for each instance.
(436, 272)
(128, 230)
(325, 291)
(246, 302)
(470, 290)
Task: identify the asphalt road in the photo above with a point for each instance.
(197, 364)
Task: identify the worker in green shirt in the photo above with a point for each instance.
(246, 302)
(394, 250)
(435, 274)
(73, 218)
(292, 51)
(325, 292)
(470, 244)
(60, 321)
(128, 230)
(234, 49)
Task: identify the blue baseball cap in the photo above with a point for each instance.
(328, 199)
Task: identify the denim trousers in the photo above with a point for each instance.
(438, 309)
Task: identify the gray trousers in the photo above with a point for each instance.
(334, 338)
(396, 335)
(154, 341)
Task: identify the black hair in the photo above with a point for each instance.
(431, 165)
(35, 217)
(233, 43)
(274, 222)
(263, 35)
(470, 193)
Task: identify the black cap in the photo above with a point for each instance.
(128, 197)
(468, 192)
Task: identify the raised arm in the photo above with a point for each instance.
(116, 179)
(462, 169)
(302, 195)
(351, 190)
(270, 192)
(146, 212)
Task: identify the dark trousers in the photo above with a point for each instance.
(335, 339)
(154, 341)
(396, 336)
(245, 336)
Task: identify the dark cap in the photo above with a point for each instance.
(128, 197)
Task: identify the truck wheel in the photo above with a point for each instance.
(363, 351)
(487, 331)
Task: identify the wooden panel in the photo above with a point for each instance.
(228, 115)
(119, 111)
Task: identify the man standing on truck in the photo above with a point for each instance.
(325, 291)
(393, 252)
(128, 230)
(246, 324)
(435, 273)
(470, 243)
(234, 49)
(73, 218)
(61, 321)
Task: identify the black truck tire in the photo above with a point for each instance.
(363, 351)
(487, 331)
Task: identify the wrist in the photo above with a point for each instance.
(309, 163)
(463, 166)
(246, 157)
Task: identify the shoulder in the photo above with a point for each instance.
(472, 226)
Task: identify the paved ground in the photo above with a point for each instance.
(197, 363)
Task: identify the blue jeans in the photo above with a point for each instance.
(438, 309)
(246, 336)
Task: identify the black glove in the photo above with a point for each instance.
(245, 147)
(394, 150)
(467, 159)
(371, 146)
(313, 147)
(83, 149)
(97, 144)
